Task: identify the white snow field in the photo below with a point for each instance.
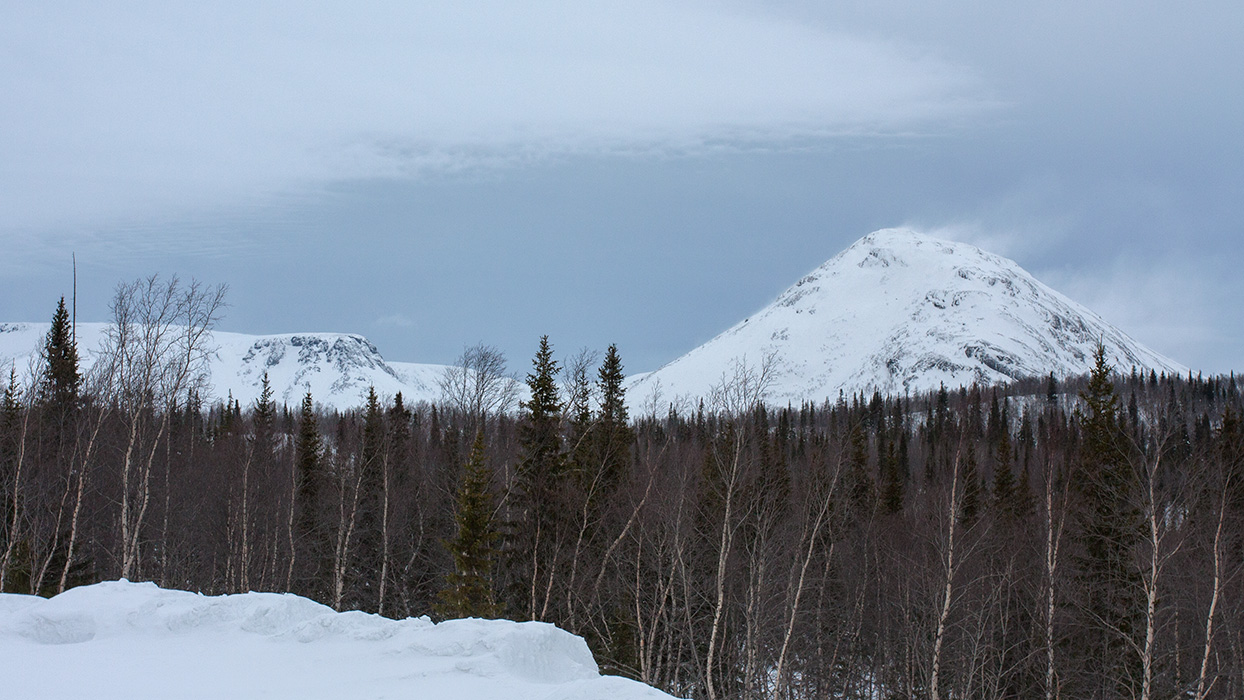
(126, 641)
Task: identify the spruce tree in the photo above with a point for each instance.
(969, 512)
(613, 431)
(1005, 491)
(893, 457)
(10, 437)
(264, 428)
(468, 590)
(539, 432)
(311, 547)
(892, 482)
(1109, 533)
(264, 415)
(860, 485)
(367, 552)
(61, 383)
(540, 469)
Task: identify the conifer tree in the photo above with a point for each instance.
(612, 394)
(540, 436)
(530, 540)
(264, 418)
(367, 554)
(398, 430)
(311, 549)
(970, 511)
(468, 590)
(1110, 530)
(894, 466)
(859, 482)
(61, 382)
(1005, 491)
(892, 481)
(373, 428)
(613, 431)
(10, 520)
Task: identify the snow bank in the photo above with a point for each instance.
(135, 640)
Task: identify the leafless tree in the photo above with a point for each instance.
(478, 384)
(741, 390)
(744, 386)
(155, 351)
(577, 381)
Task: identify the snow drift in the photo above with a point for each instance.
(134, 640)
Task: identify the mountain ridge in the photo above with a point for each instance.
(897, 311)
(337, 368)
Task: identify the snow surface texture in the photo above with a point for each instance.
(133, 640)
(900, 312)
(337, 368)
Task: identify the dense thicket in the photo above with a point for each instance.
(1082, 538)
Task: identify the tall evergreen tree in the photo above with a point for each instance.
(10, 520)
(311, 548)
(367, 553)
(468, 590)
(613, 430)
(264, 419)
(61, 383)
(892, 481)
(860, 486)
(1109, 532)
(1006, 496)
(530, 545)
(539, 431)
(969, 512)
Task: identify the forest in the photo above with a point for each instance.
(1053, 537)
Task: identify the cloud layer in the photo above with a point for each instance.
(127, 110)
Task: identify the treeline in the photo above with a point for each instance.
(1050, 538)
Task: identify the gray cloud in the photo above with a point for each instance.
(118, 112)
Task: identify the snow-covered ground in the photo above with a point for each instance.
(134, 641)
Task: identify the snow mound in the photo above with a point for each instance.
(135, 640)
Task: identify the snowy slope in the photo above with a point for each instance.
(901, 311)
(337, 368)
(120, 640)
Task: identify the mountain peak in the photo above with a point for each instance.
(900, 311)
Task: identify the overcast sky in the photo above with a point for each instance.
(645, 173)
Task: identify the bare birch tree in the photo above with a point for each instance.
(478, 384)
(155, 350)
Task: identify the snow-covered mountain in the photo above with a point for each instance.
(118, 640)
(898, 311)
(337, 368)
(901, 311)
